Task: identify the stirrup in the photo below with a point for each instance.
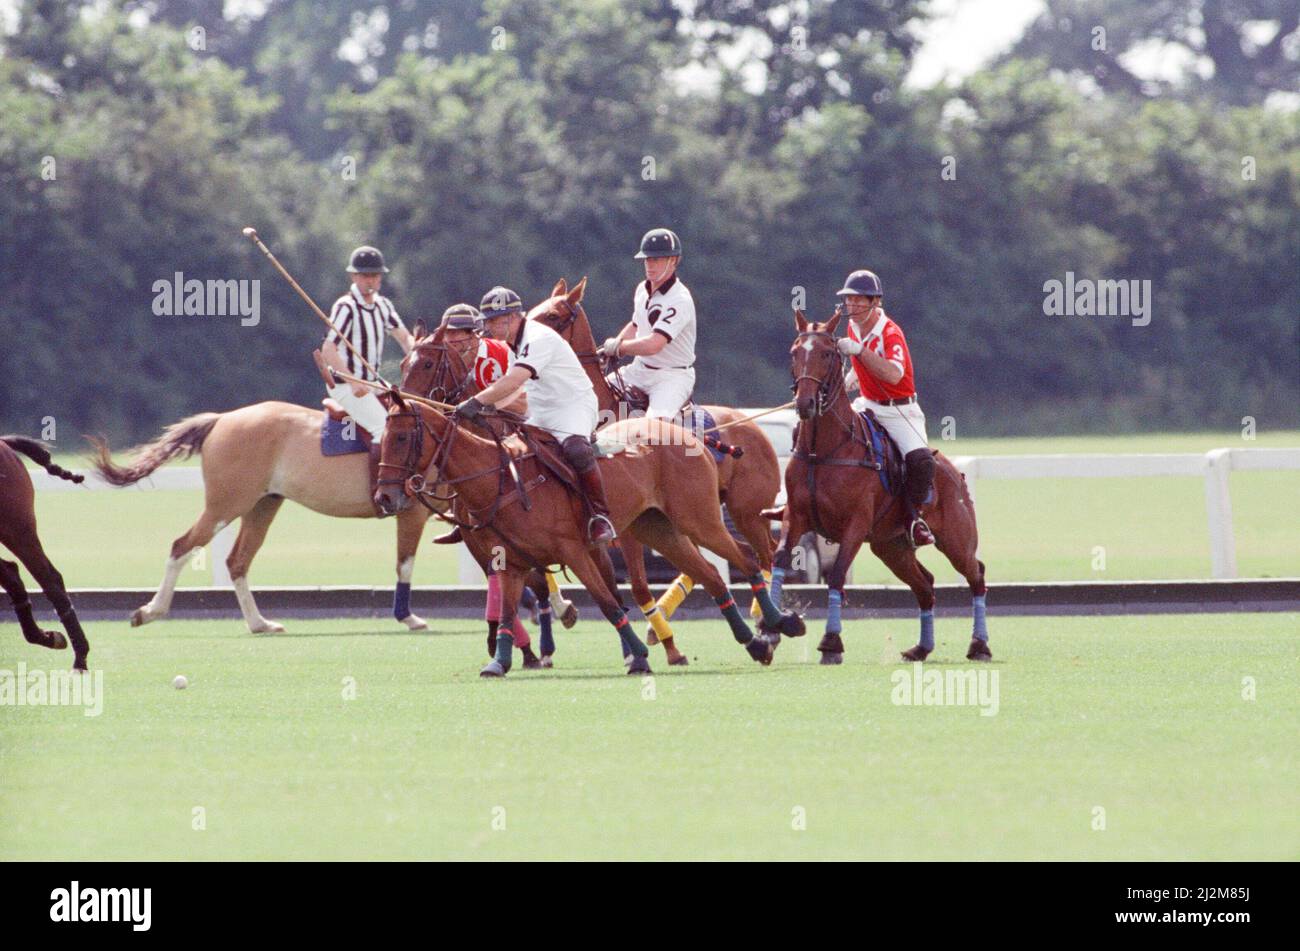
(927, 537)
(591, 529)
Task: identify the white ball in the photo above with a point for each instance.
(180, 683)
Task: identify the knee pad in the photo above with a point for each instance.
(579, 452)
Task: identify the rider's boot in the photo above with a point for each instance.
(920, 475)
(580, 454)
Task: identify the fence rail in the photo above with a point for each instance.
(1213, 466)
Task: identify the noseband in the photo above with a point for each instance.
(828, 389)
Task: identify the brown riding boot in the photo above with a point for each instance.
(453, 537)
(600, 530)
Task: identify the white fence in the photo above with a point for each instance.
(1212, 466)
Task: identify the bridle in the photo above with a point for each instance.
(439, 391)
(830, 388)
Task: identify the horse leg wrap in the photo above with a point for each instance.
(771, 613)
(632, 645)
(672, 599)
(544, 622)
(662, 629)
(756, 606)
(978, 606)
(492, 612)
(778, 579)
(739, 629)
(402, 600)
(522, 639)
(834, 604)
(927, 630)
(505, 649)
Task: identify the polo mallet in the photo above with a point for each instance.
(251, 234)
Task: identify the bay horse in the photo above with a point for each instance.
(833, 487)
(253, 458)
(661, 488)
(747, 483)
(18, 534)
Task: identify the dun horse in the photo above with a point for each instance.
(660, 488)
(254, 458)
(833, 487)
(18, 534)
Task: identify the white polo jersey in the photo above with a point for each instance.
(364, 327)
(670, 311)
(560, 395)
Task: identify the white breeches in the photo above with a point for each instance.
(906, 424)
(668, 389)
(366, 410)
(575, 418)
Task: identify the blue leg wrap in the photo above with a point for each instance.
(544, 622)
(834, 604)
(505, 649)
(927, 630)
(774, 589)
(402, 600)
(981, 631)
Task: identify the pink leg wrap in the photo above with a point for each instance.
(493, 610)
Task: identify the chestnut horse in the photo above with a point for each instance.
(18, 534)
(661, 487)
(833, 488)
(747, 484)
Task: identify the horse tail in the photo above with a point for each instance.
(39, 454)
(179, 440)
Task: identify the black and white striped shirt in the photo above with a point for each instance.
(364, 327)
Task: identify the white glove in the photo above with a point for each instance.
(610, 347)
(848, 346)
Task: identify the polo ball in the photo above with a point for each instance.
(180, 683)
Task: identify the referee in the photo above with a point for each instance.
(363, 316)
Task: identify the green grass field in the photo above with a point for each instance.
(1143, 717)
(1040, 530)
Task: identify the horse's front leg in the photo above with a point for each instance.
(512, 584)
(410, 528)
(854, 534)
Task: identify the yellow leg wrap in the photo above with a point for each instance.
(658, 623)
(555, 588)
(672, 599)
(755, 609)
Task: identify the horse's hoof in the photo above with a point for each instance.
(678, 661)
(651, 637)
(414, 622)
(55, 640)
(979, 650)
(792, 624)
(547, 662)
(266, 627)
(639, 665)
(570, 616)
(533, 663)
(831, 644)
(140, 617)
(917, 653)
(832, 658)
(493, 669)
(761, 649)
(79, 664)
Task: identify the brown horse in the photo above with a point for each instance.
(253, 459)
(833, 487)
(747, 484)
(661, 488)
(18, 534)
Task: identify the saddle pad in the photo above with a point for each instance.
(892, 475)
(698, 419)
(334, 441)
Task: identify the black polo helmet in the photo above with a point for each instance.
(366, 260)
(659, 243)
(500, 301)
(864, 283)
(463, 317)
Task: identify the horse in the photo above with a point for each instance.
(833, 487)
(253, 458)
(18, 534)
(661, 488)
(748, 480)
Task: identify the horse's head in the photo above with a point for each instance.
(438, 366)
(815, 365)
(563, 313)
(405, 453)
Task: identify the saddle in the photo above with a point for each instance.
(340, 435)
(893, 467)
